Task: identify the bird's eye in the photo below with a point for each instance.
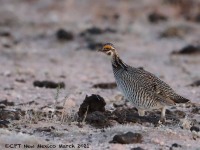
(109, 53)
(105, 49)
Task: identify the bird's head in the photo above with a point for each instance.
(108, 49)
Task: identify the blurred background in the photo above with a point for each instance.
(57, 40)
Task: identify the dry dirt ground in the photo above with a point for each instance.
(32, 49)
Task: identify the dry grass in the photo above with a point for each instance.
(50, 114)
(68, 112)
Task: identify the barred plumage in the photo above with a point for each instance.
(142, 88)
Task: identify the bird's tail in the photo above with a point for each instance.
(179, 99)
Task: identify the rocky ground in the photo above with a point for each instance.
(56, 89)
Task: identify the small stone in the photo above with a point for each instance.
(6, 45)
(96, 31)
(195, 83)
(111, 85)
(127, 138)
(137, 148)
(59, 107)
(45, 129)
(10, 115)
(94, 45)
(4, 123)
(176, 145)
(5, 33)
(93, 30)
(48, 84)
(62, 34)
(197, 18)
(7, 103)
(116, 16)
(156, 17)
(20, 80)
(188, 50)
(194, 128)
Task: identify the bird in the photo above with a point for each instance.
(142, 88)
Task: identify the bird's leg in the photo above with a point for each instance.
(162, 118)
(141, 112)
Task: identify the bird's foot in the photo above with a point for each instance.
(162, 121)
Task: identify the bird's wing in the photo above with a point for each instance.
(158, 97)
(150, 90)
(156, 85)
(151, 82)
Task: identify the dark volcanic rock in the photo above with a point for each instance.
(137, 148)
(45, 129)
(94, 45)
(7, 45)
(20, 80)
(97, 119)
(126, 115)
(131, 115)
(105, 85)
(175, 145)
(194, 128)
(96, 31)
(127, 138)
(188, 50)
(91, 104)
(156, 17)
(4, 123)
(116, 16)
(197, 18)
(92, 30)
(10, 115)
(5, 33)
(7, 103)
(49, 84)
(64, 35)
(195, 83)
(193, 17)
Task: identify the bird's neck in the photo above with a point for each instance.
(117, 62)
